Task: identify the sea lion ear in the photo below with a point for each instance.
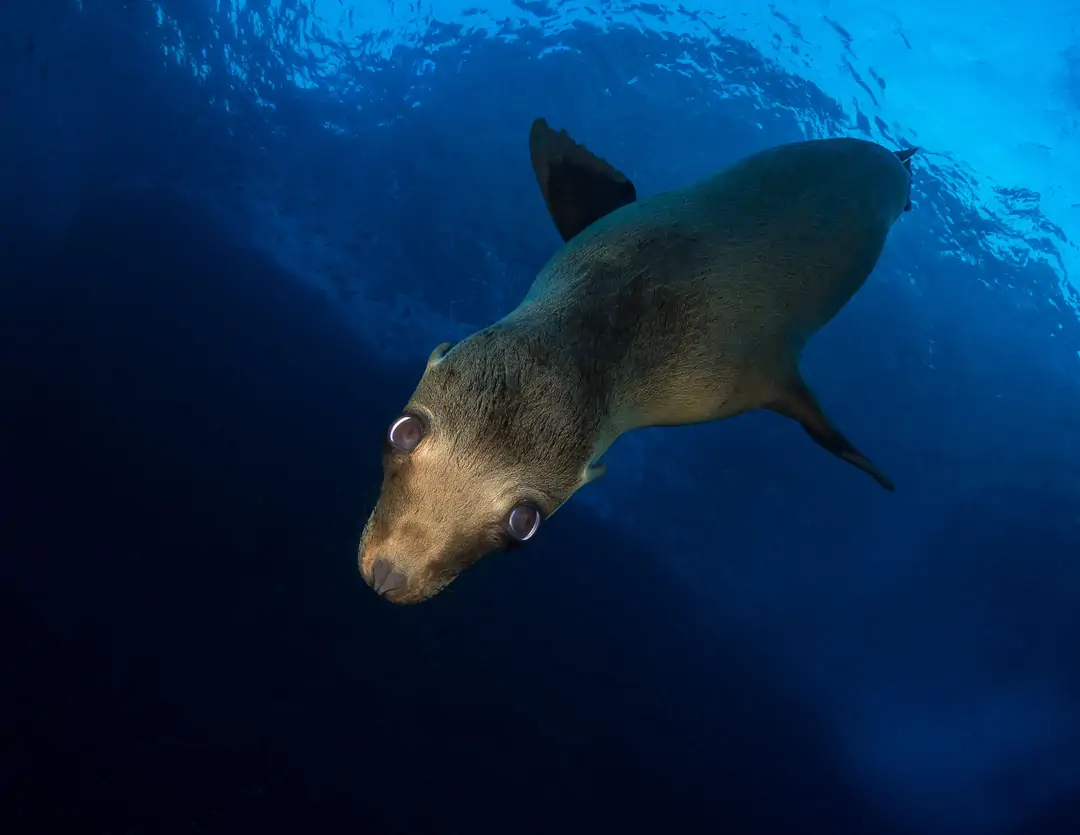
(579, 187)
(593, 472)
(438, 354)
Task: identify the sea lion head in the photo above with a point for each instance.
(495, 438)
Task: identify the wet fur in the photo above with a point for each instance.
(689, 306)
(698, 302)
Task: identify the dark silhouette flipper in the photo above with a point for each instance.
(798, 403)
(905, 156)
(579, 187)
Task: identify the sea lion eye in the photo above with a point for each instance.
(405, 433)
(523, 522)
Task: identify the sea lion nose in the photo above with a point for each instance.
(384, 579)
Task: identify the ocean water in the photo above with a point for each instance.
(231, 234)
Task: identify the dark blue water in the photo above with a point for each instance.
(739, 636)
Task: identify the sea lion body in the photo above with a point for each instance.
(699, 300)
(688, 306)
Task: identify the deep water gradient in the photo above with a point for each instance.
(192, 649)
(217, 286)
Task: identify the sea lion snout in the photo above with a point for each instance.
(384, 580)
(401, 580)
(405, 559)
(431, 525)
(485, 451)
(436, 516)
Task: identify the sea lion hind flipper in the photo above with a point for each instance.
(797, 402)
(579, 187)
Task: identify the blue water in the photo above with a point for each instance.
(231, 234)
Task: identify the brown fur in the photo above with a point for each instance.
(689, 306)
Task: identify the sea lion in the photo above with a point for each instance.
(688, 306)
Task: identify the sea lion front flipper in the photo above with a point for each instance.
(798, 403)
(579, 187)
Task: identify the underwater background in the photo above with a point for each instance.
(230, 235)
